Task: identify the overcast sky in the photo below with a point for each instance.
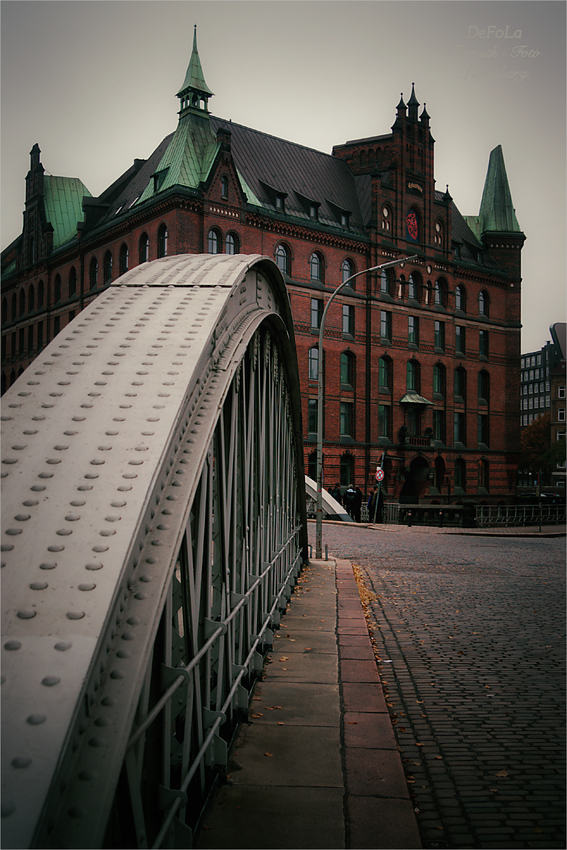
(93, 82)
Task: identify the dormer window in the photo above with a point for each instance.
(314, 211)
(280, 202)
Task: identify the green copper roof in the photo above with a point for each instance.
(194, 78)
(496, 208)
(63, 198)
(188, 158)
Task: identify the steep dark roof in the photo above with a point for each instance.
(272, 166)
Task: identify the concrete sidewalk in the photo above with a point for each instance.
(317, 765)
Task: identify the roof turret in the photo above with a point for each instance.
(194, 93)
(496, 208)
(413, 104)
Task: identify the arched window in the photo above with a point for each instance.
(439, 380)
(385, 281)
(123, 261)
(162, 240)
(283, 259)
(460, 384)
(72, 281)
(144, 248)
(41, 294)
(483, 387)
(460, 298)
(386, 218)
(22, 302)
(57, 289)
(347, 368)
(412, 225)
(14, 313)
(438, 235)
(224, 188)
(440, 293)
(347, 270)
(93, 273)
(483, 303)
(316, 266)
(460, 476)
(385, 373)
(412, 376)
(232, 244)
(107, 267)
(414, 286)
(214, 241)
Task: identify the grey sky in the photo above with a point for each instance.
(94, 84)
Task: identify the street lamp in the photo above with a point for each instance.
(319, 514)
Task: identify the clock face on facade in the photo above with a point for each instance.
(412, 226)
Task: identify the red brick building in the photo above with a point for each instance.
(421, 361)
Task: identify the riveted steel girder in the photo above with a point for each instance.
(153, 522)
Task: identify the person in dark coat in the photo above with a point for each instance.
(350, 498)
(336, 493)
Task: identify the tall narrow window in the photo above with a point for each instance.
(316, 313)
(384, 373)
(347, 423)
(123, 259)
(282, 259)
(214, 241)
(347, 368)
(385, 277)
(483, 303)
(413, 330)
(93, 273)
(144, 248)
(107, 270)
(459, 339)
(347, 270)
(313, 364)
(348, 320)
(414, 286)
(483, 429)
(439, 380)
(412, 376)
(483, 387)
(460, 385)
(460, 298)
(460, 475)
(439, 336)
(384, 421)
(224, 187)
(31, 299)
(312, 415)
(316, 267)
(439, 425)
(23, 299)
(386, 325)
(459, 428)
(231, 243)
(162, 240)
(483, 343)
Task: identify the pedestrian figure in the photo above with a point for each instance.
(350, 498)
(375, 505)
(357, 503)
(336, 493)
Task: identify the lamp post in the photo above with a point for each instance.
(319, 514)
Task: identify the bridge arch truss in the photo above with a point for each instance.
(153, 528)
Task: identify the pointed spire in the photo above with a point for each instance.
(194, 88)
(424, 117)
(496, 208)
(413, 104)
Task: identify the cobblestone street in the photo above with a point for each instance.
(470, 636)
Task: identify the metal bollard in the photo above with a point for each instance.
(326, 553)
(409, 519)
(440, 519)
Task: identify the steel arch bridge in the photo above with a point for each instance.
(153, 527)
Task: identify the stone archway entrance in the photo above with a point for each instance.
(415, 483)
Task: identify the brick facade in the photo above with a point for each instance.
(450, 428)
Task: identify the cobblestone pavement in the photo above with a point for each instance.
(470, 637)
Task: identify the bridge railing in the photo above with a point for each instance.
(519, 515)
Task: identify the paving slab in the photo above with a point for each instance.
(316, 764)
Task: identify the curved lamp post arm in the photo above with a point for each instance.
(319, 514)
